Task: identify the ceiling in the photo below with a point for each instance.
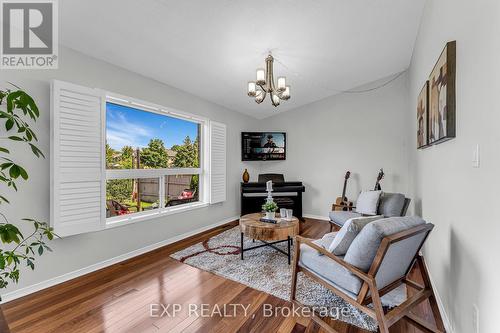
(212, 48)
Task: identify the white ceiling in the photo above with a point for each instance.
(211, 48)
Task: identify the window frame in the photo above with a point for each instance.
(202, 171)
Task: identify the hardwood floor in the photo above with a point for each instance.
(118, 299)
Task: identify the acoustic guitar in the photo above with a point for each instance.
(379, 178)
(342, 203)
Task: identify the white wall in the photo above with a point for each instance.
(463, 251)
(357, 132)
(32, 199)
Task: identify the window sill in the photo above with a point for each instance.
(117, 221)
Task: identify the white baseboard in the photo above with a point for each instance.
(89, 269)
(317, 217)
(446, 320)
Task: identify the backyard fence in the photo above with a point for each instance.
(174, 185)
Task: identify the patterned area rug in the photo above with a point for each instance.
(267, 270)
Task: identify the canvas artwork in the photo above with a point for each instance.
(422, 117)
(442, 97)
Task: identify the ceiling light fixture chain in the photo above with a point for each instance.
(264, 84)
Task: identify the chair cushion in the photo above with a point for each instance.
(339, 217)
(348, 232)
(364, 247)
(391, 204)
(367, 202)
(327, 268)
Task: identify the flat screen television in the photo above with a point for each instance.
(263, 146)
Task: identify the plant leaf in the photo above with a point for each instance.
(10, 233)
(9, 124)
(23, 173)
(36, 151)
(14, 171)
(6, 165)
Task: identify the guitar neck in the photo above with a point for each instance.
(343, 191)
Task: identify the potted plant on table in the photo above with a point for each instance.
(270, 207)
(17, 249)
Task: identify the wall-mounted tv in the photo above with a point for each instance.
(263, 146)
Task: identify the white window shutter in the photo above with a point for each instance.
(217, 162)
(77, 159)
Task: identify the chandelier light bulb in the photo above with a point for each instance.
(285, 95)
(251, 89)
(261, 77)
(275, 100)
(281, 84)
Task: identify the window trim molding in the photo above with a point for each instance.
(121, 220)
(203, 171)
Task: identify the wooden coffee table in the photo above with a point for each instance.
(268, 233)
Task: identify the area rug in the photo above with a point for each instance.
(267, 270)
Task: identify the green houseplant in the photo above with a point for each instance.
(18, 249)
(270, 207)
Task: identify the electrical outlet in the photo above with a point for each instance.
(475, 318)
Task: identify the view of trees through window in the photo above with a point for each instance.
(137, 139)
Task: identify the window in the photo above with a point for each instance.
(117, 160)
(152, 161)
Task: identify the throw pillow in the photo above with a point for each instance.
(368, 202)
(391, 204)
(345, 236)
(325, 241)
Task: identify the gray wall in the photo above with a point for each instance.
(462, 253)
(357, 132)
(32, 200)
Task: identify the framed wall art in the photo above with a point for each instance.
(442, 96)
(423, 117)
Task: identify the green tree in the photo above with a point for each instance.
(127, 152)
(154, 155)
(127, 157)
(110, 153)
(119, 190)
(187, 156)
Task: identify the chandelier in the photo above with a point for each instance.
(264, 85)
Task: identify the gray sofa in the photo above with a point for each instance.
(390, 205)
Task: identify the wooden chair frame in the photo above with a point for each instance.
(384, 320)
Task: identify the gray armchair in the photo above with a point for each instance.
(391, 204)
(378, 260)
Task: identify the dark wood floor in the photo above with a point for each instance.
(118, 298)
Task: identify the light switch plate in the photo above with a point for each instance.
(475, 157)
